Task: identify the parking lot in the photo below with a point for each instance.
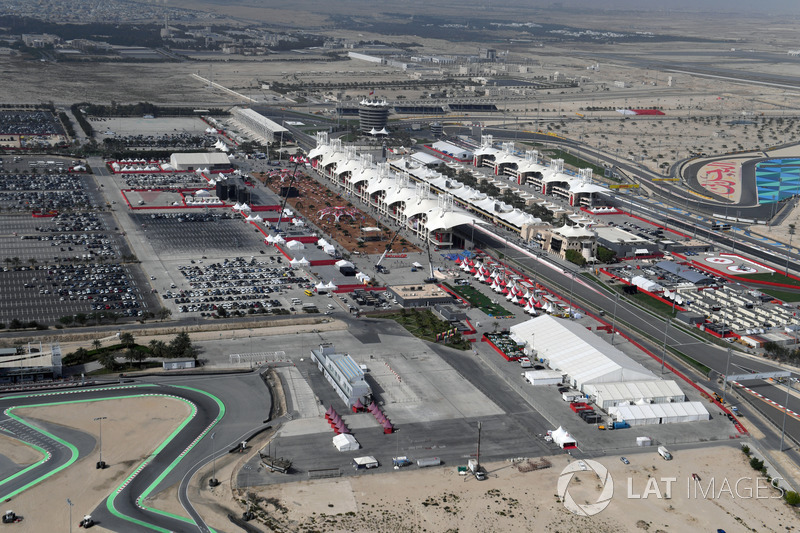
(59, 191)
(236, 284)
(191, 235)
(29, 123)
(44, 293)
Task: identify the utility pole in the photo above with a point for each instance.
(213, 482)
(100, 464)
(614, 319)
(664, 350)
(478, 457)
(70, 504)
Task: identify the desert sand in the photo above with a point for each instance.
(441, 500)
(125, 446)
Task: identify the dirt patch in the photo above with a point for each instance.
(337, 217)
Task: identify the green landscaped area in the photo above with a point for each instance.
(480, 301)
(783, 295)
(425, 325)
(576, 162)
(774, 277)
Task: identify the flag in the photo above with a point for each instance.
(372, 92)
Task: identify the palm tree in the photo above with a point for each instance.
(97, 344)
(127, 339)
(32, 261)
(495, 325)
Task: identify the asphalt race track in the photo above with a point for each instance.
(186, 449)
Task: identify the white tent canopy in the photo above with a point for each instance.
(331, 286)
(660, 413)
(344, 263)
(607, 395)
(295, 245)
(577, 352)
(303, 262)
(345, 442)
(562, 437)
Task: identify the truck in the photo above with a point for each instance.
(476, 469)
(664, 452)
(619, 425)
(430, 461)
(365, 462)
(399, 462)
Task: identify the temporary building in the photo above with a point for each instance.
(562, 437)
(331, 286)
(303, 262)
(607, 395)
(345, 442)
(295, 245)
(643, 441)
(578, 353)
(543, 377)
(660, 413)
(343, 263)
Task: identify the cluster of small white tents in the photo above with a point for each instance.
(501, 283)
(144, 167)
(326, 287)
(327, 247)
(221, 146)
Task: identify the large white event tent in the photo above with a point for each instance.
(660, 413)
(577, 352)
(607, 395)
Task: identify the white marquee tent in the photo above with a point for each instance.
(607, 395)
(577, 352)
(345, 442)
(660, 413)
(562, 437)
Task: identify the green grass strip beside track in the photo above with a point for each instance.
(139, 501)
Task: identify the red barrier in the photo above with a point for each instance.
(488, 341)
(305, 239)
(324, 262)
(354, 286)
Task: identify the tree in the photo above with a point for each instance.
(792, 497)
(606, 255)
(97, 344)
(495, 325)
(181, 346)
(66, 320)
(80, 318)
(164, 313)
(158, 348)
(108, 360)
(127, 339)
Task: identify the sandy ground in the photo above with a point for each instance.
(21, 455)
(440, 500)
(124, 447)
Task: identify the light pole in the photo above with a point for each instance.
(725, 383)
(100, 464)
(213, 482)
(614, 319)
(70, 504)
(664, 351)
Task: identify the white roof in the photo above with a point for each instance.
(561, 437)
(660, 413)
(199, 159)
(425, 158)
(574, 232)
(345, 442)
(579, 353)
(634, 390)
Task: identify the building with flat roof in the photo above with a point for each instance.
(34, 362)
(195, 161)
(421, 295)
(264, 129)
(342, 372)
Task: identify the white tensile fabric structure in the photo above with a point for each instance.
(344, 263)
(577, 352)
(295, 245)
(562, 437)
(660, 413)
(607, 395)
(345, 442)
(331, 286)
(304, 262)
